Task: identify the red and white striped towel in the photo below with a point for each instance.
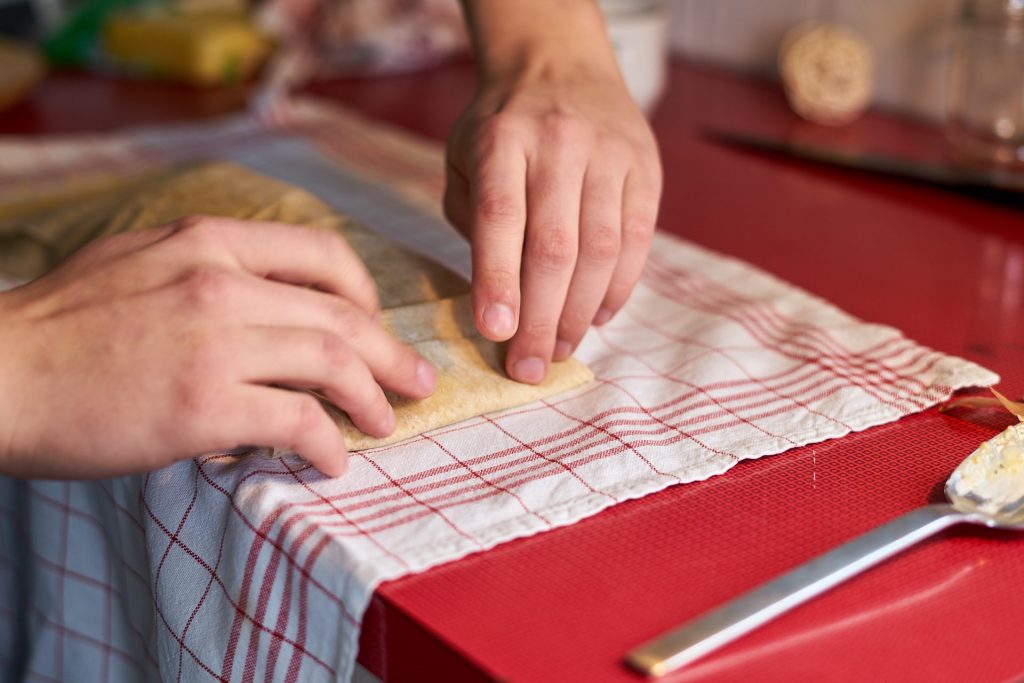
(238, 568)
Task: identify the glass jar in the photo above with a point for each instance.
(638, 30)
(985, 116)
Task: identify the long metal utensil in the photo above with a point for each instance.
(987, 488)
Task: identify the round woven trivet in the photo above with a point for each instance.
(826, 71)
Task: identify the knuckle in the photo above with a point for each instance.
(199, 229)
(496, 127)
(563, 129)
(601, 244)
(329, 241)
(378, 406)
(366, 286)
(654, 167)
(196, 398)
(618, 292)
(304, 419)
(407, 361)
(553, 249)
(538, 330)
(615, 148)
(499, 281)
(336, 353)
(573, 322)
(642, 145)
(206, 287)
(367, 405)
(638, 229)
(499, 209)
(346, 318)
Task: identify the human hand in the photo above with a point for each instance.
(553, 175)
(150, 347)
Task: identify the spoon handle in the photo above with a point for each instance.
(755, 608)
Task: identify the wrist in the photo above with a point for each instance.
(539, 40)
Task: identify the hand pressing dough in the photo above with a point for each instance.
(38, 233)
(425, 304)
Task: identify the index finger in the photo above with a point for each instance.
(287, 253)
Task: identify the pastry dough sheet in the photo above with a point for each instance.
(470, 371)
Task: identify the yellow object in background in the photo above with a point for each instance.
(21, 68)
(196, 49)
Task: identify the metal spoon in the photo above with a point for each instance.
(987, 488)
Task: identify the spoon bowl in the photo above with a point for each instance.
(1005, 519)
(989, 483)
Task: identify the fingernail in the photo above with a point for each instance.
(530, 369)
(426, 376)
(390, 421)
(563, 349)
(499, 320)
(603, 316)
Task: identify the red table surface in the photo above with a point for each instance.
(567, 604)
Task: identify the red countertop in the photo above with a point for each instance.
(566, 605)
